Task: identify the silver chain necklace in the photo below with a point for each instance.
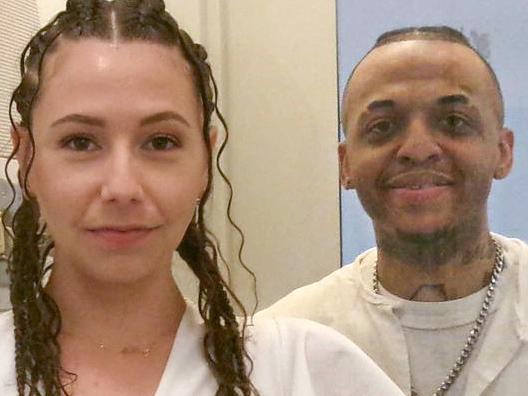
(477, 326)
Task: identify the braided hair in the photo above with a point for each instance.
(37, 319)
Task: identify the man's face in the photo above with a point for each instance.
(424, 140)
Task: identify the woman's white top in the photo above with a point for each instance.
(292, 357)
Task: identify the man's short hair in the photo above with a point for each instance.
(442, 33)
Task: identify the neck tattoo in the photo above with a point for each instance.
(480, 321)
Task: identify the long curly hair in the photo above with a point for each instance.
(37, 319)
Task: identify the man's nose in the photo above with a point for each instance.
(419, 144)
(121, 181)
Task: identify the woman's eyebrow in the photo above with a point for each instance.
(99, 122)
(80, 118)
(164, 116)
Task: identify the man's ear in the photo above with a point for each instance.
(344, 172)
(504, 166)
(23, 148)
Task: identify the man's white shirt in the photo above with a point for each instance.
(385, 327)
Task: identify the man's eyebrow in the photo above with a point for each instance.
(380, 104)
(453, 99)
(81, 119)
(164, 116)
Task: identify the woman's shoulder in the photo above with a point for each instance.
(7, 355)
(6, 331)
(308, 339)
(312, 359)
(7, 338)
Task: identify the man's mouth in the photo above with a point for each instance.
(419, 180)
(418, 188)
(421, 186)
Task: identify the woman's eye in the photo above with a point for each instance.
(79, 143)
(162, 143)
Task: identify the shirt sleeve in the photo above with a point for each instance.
(313, 360)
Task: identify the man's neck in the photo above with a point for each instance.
(463, 273)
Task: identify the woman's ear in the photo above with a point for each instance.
(22, 147)
(213, 136)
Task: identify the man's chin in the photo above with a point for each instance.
(426, 247)
(425, 236)
(422, 231)
(420, 235)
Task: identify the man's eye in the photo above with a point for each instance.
(79, 143)
(380, 130)
(455, 124)
(162, 143)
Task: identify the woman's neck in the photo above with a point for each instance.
(120, 315)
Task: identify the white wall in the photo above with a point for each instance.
(276, 64)
(282, 107)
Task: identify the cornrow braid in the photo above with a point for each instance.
(36, 322)
(37, 317)
(222, 329)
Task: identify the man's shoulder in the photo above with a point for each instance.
(515, 249)
(313, 300)
(515, 254)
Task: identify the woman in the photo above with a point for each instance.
(115, 154)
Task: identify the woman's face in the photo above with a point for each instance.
(119, 156)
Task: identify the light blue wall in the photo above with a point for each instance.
(505, 24)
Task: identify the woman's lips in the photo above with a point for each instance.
(116, 238)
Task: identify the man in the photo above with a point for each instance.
(441, 304)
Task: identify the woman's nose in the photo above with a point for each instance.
(121, 181)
